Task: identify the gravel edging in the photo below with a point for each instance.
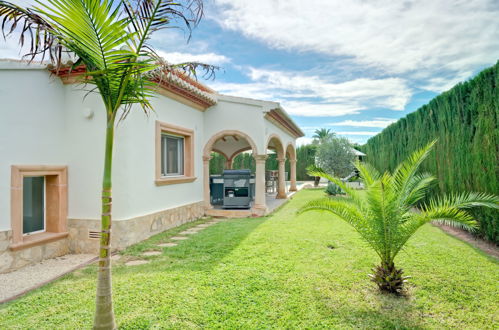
(487, 247)
(35, 276)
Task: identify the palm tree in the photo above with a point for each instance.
(322, 135)
(385, 216)
(111, 39)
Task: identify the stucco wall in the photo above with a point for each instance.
(45, 122)
(285, 137)
(226, 115)
(31, 126)
(134, 190)
(137, 147)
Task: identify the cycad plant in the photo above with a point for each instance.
(111, 39)
(385, 214)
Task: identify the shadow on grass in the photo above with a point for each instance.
(382, 311)
(200, 252)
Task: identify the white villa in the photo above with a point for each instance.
(52, 149)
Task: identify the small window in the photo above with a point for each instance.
(33, 204)
(172, 155)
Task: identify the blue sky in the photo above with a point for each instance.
(351, 66)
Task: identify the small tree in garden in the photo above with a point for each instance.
(384, 214)
(111, 38)
(335, 156)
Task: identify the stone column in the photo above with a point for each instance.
(228, 164)
(292, 169)
(206, 182)
(281, 192)
(260, 206)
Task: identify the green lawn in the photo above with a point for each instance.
(282, 271)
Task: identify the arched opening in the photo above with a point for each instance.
(291, 166)
(275, 171)
(218, 162)
(225, 189)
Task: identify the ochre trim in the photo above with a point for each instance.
(291, 151)
(209, 145)
(37, 239)
(183, 95)
(220, 152)
(188, 135)
(237, 152)
(282, 122)
(174, 180)
(279, 148)
(56, 203)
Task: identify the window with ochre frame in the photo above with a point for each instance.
(174, 154)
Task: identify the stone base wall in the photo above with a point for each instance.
(12, 260)
(128, 232)
(124, 233)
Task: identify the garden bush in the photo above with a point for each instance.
(466, 158)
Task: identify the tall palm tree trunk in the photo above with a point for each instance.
(104, 314)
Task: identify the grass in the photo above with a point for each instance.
(282, 271)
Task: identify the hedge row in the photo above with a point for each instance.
(466, 157)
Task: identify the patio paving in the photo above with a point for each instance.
(136, 262)
(188, 232)
(151, 253)
(167, 244)
(179, 238)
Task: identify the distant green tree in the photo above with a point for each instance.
(322, 135)
(336, 156)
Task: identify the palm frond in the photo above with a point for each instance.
(368, 173)
(450, 216)
(33, 29)
(149, 16)
(408, 168)
(354, 194)
(466, 200)
(346, 211)
(417, 187)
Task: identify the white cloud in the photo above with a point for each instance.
(441, 84)
(359, 133)
(377, 122)
(314, 109)
(391, 93)
(309, 95)
(207, 58)
(303, 141)
(423, 37)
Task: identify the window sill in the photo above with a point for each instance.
(37, 239)
(174, 180)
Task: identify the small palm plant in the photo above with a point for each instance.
(385, 215)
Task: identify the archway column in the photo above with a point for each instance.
(228, 164)
(260, 205)
(206, 182)
(281, 193)
(292, 170)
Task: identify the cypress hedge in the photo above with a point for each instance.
(305, 156)
(466, 157)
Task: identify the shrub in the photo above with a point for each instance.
(332, 189)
